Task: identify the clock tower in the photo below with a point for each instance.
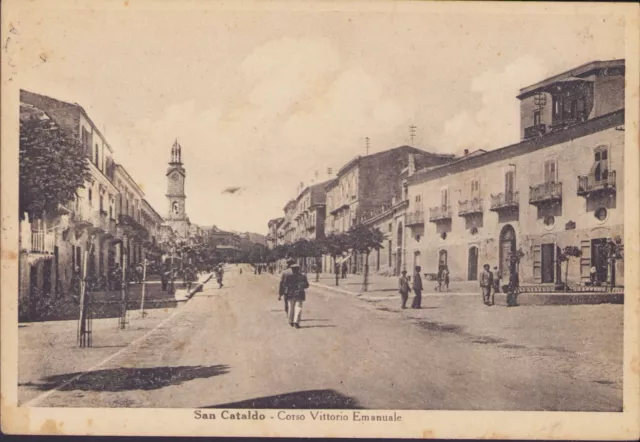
(176, 174)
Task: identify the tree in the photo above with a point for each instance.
(335, 245)
(53, 165)
(364, 239)
(564, 256)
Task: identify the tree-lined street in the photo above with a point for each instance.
(232, 347)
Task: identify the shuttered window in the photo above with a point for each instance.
(537, 264)
(585, 259)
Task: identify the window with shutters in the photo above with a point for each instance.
(444, 200)
(537, 263)
(475, 189)
(550, 171)
(601, 163)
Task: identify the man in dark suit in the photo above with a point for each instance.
(417, 289)
(282, 290)
(486, 282)
(294, 283)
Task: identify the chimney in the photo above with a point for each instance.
(329, 171)
(412, 164)
(466, 152)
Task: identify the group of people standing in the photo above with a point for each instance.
(405, 287)
(490, 284)
(293, 284)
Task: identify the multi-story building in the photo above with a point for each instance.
(308, 213)
(151, 221)
(371, 184)
(272, 235)
(89, 222)
(561, 185)
(134, 234)
(92, 223)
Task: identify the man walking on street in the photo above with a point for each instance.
(219, 275)
(404, 288)
(295, 283)
(282, 292)
(486, 281)
(417, 289)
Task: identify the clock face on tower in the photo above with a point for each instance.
(174, 177)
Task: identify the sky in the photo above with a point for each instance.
(265, 99)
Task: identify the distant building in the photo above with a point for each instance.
(561, 185)
(368, 185)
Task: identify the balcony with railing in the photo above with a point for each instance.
(439, 213)
(505, 201)
(545, 193)
(535, 130)
(132, 227)
(593, 184)
(100, 221)
(470, 207)
(415, 218)
(81, 215)
(41, 242)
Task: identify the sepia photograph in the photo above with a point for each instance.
(320, 219)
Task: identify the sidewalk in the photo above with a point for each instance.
(50, 348)
(386, 287)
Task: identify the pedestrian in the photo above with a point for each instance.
(512, 288)
(163, 280)
(417, 288)
(438, 287)
(486, 281)
(445, 277)
(282, 292)
(497, 280)
(241, 270)
(404, 288)
(219, 275)
(344, 270)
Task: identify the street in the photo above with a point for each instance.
(232, 347)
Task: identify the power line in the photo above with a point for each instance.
(412, 133)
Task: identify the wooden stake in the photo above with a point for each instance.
(144, 283)
(82, 337)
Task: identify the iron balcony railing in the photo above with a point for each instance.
(545, 192)
(470, 207)
(81, 214)
(439, 213)
(535, 131)
(42, 242)
(588, 184)
(415, 218)
(505, 200)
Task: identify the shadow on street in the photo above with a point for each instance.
(125, 379)
(310, 399)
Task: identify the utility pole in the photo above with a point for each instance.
(366, 144)
(412, 133)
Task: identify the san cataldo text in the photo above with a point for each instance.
(298, 416)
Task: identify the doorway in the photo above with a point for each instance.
(507, 249)
(547, 262)
(416, 259)
(442, 260)
(473, 264)
(599, 258)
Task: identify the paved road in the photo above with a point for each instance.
(232, 347)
